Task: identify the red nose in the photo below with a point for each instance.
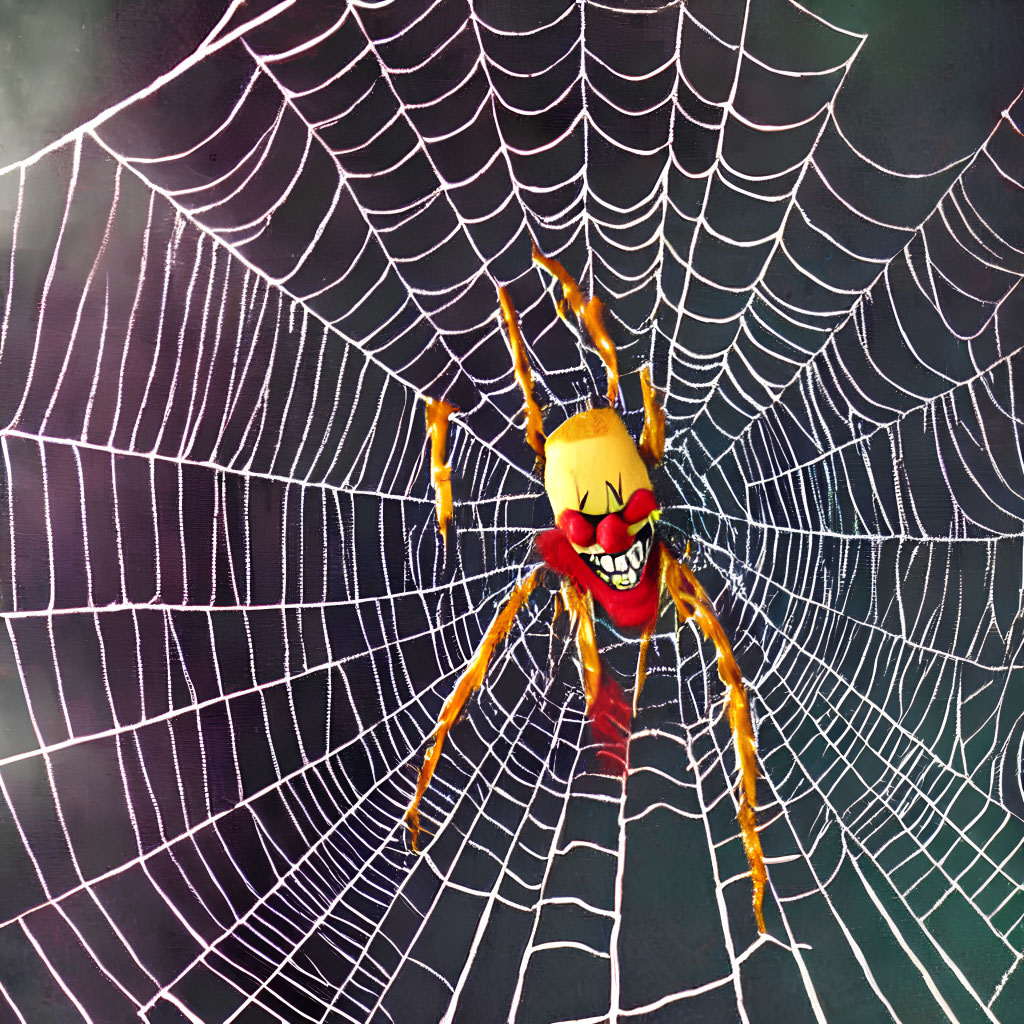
(613, 534)
(576, 528)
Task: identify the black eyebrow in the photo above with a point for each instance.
(583, 500)
(616, 494)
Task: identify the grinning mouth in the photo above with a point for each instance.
(623, 571)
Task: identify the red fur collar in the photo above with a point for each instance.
(629, 609)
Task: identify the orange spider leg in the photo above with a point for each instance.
(652, 437)
(470, 681)
(440, 473)
(534, 420)
(691, 601)
(641, 666)
(590, 312)
(558, 606)
(578, 606)
(557, 609)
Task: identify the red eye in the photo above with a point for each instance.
(576, 528)
(639, 507)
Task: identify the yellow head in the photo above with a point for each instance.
(600, 494)
(592, 464)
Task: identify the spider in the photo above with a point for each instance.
(604, 551)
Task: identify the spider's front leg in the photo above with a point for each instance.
(440, 472)
(590, 313)
(691, 601)
(524, 378)
(470, 681)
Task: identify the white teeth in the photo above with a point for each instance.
(622, 580)
(622, 571)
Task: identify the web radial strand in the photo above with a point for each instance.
(230, 621)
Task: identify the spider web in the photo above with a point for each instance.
(230, 623)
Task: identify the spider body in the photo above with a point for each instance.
(605, 552)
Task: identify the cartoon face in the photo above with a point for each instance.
(601, 495)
